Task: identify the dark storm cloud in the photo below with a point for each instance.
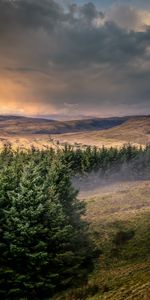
(73, 55)
(106, 44)
(30, 14)
(71, 40)
(90, 12)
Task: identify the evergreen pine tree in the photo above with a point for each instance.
(45, 243)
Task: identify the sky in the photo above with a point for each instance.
(74, 57)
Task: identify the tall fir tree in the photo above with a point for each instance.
(45, 242)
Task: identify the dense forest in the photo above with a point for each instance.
(45, 246)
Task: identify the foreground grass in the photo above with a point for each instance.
(120, 225)
(123, 271)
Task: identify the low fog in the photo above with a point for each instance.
(96, 181)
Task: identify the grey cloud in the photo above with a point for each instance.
(107, 44)
(72, 42)
(61, 56)
(89, 11)
(30, 14)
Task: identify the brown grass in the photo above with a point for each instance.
(118, 201)
(27, 132)
(136, 132)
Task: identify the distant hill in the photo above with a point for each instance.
(23, 125)
(26, 132)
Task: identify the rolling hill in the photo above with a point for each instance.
(24, 125)
(25, 132)
(135, 130)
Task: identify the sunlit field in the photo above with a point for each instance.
(27, 133)
(135, 132)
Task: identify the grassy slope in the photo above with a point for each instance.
(135, 131)
(122, 271)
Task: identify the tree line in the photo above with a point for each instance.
(103, 159)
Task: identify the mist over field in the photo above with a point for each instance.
(95, 182)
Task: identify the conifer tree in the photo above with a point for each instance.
(45, 243)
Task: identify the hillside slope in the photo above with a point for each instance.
(134, 130)
(119, 218)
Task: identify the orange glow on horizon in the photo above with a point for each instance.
(14, 99)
